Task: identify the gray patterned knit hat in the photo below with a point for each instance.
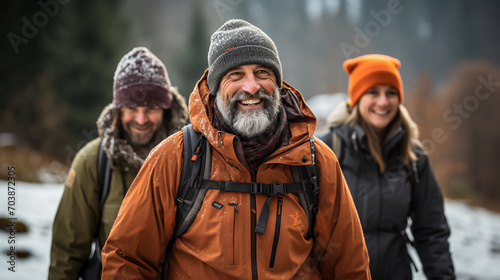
(236, 43)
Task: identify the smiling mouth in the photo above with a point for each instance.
(250, 101)
(381, 113)
(142, 129)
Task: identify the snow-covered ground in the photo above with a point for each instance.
(475, 239)
(474, 242)
(35, 205)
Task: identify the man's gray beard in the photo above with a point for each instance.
(254, 122)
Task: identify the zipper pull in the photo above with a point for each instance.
(235, 205)
(280, 206)
(220, 144)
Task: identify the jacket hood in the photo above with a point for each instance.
(201, 115)
(119, 149)
(355, 137)
(339, 115)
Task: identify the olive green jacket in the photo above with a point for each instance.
(78, 216)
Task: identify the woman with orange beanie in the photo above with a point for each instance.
(388, 172)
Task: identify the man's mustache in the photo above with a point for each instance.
(261, 93)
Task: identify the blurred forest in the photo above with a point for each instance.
(59, 57)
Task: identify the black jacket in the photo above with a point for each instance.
(386, 201)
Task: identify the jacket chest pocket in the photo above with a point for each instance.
(231, 237)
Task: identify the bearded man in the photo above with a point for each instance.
(145, 110)
(259, 129)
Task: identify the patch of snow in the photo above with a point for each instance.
(475, 233)
(35, 205)
(8, 139)
(323, 104)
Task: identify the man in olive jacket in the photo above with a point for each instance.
(145, 110)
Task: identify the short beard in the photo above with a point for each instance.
(254, 122)
(141, 140)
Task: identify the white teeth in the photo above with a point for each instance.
(251, 101)
(381, 112)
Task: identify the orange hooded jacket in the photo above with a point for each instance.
(221, 243)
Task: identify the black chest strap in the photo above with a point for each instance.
(271, 190)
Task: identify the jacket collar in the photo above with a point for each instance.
(355, 137)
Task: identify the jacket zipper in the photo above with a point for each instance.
(253, 219)
(235, 211)
(284, 151)
(276, 231)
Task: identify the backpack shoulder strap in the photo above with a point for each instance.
(336, 144)
(103, 182)
(308, 198)
(313, 190)
(413, 177)
(103, 175)
(414, 173)
(196, 166)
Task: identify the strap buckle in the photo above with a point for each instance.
(255, 188)
(269, 189)
(276, 188)
(179, 201)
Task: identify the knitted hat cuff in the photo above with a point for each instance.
(371, 70)
(143, 94)
(373, 79)
(251, 54)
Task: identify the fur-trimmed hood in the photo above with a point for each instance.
(120, 150)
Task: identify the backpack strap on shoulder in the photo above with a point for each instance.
(196, 166)
(336, 144)
(312, 189)
(414, 172)
(103, 175)
(195, 169)
(413, 177)
(93, 266)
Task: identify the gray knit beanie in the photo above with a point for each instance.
(237, 43)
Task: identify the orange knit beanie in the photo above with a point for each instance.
(370, 70)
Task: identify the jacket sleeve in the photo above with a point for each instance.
(76, 217)
(429, 226)
(136, 246)
(339, 248)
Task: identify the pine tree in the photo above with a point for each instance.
(60, 80)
